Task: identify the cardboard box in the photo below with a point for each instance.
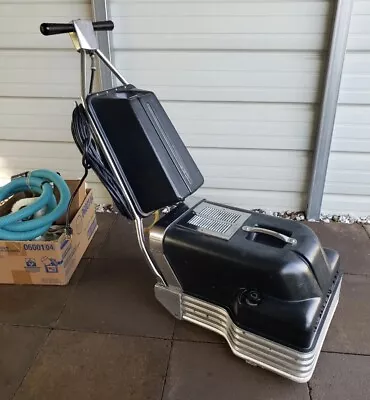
(49, 262)
(77, 201)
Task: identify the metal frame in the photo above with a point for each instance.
(85, 42)
(338, 46)
(101, 13)
(252, 348)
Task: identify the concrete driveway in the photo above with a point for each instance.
(105, 337)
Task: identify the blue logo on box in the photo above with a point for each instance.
(30, 265)
(92, 228)
(51, 265)
(86, 207)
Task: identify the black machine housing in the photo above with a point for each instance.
(147, 150)
(279, 290)
(276, 290)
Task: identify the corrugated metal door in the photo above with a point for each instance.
(39, 78)
(347, 187)
(240, 81)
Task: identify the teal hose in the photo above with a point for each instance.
(12, 226)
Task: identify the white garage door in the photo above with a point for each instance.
(240, 81)
(347, 187)
(39, 80)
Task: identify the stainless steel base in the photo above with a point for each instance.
(254, 349)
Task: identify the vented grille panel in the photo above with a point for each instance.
(215, 226)
(221, 215)
(215, 220)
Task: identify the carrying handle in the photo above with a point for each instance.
(48, 29)
(277, 235)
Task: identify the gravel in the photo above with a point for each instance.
(293, 215)
(106, 208)
(346, 219)
(327, 218)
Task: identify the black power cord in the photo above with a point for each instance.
(92, 158)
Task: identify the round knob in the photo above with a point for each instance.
(251, 297)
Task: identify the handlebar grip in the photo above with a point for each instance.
(103, 26)
(48, 29)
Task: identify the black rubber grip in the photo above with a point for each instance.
(48, 29)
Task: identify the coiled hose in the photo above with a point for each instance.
(13, 226)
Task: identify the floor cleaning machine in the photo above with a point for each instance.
(264, 283)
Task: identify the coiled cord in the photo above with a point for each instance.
(92, 158)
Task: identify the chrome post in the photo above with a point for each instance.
(83, 73)
(329, 107)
